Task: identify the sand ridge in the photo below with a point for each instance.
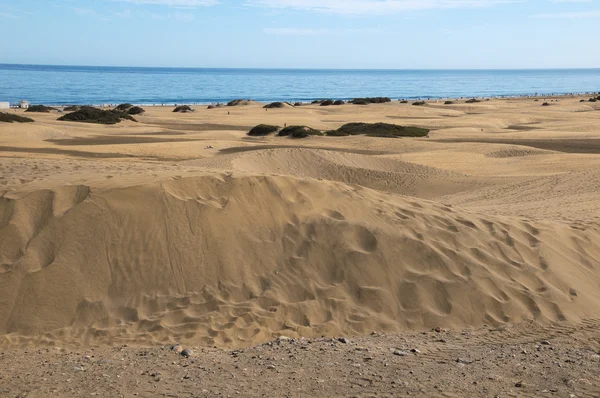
(181, 228)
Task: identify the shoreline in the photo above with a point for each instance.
(306, 102)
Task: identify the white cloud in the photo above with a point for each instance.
(373, 6)
(7, 15)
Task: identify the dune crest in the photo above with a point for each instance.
(236, 260)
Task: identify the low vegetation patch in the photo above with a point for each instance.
(592, 100)
(136, 110)
(298, 132)
(327, 102)
(238, 102)
(274, 105)
(123, 107)
(40, 109)
(545, 104)
(183, 109)
(378, 130)
(370, 100)
(448, 103)
(298, 104)
(339, 102)
(262, 130)
(13, 118)
(419, 103)
(71, 108)
(88, 114)
(404, 102)
(472, 101)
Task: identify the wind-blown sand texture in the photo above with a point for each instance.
(182, 228)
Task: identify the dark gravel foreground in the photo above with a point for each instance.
(524, 360)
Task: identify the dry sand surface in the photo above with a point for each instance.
(181, 229)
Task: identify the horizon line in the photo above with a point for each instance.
(298, 69)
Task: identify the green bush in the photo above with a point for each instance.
(263, 129)
(472, 101)
(12, 118)
(71, 108)
(404, 102)
(339, 102)
(237, 102)
(419, 103)
(448, 103)
(88, 114)
(592, 100)
(316, 102)
(298, 132)
(123, 107)
(274, 105)
(327, 102)
(581, 100)
(298, 104)
(40, 109)
(545, 104)
(183, 109)
(370, 100)
(378, 130)
(135, 110)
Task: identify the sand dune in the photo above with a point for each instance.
(234, 260)
(182, 228)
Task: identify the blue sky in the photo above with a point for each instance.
(392, 34)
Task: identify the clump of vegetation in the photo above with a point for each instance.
(317, 102)
(404, 102)
(298, 104)
(40, 109)
(71, 108)
(123, 107)
(419, 103)
(274, 105)
(238, 102)
(592, 100)
(183, 109)
(370, 100)
(262, 130)
(545, 104)
(339, 102)
(536, 100)
(298, 132)
(472, 101)
(136, 110)
(88, 114)
(582, 100)
(448, 102)
(378, 130)
(327, 102)
(598, 98)
(13, 118)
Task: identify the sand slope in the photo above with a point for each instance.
(235, 259)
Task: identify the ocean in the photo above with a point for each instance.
(59, 85)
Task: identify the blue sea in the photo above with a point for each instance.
(57, 85)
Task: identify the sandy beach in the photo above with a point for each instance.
(118, 241)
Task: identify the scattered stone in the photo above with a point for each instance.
(344, 340)
(271, 367)
(400, 353)
(519, 384)
(177, 348)
(544, 342)
(187, 353)
(415, 351)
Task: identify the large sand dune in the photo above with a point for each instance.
(160, 231)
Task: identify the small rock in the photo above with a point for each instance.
(544, 342)
(400, 353)
(271, 367)
(177, 348)
(187, 353)
(344, 340)
(415, 351)
(519, 384)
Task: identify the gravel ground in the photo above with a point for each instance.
(524, 360)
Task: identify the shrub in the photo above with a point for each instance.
(71, 108)
(598, 98)
(123, 107)
(379, 130)
(11, 118)
(263, 129)
(317, 102)
(419, 103)
(545, 104)
(339, 102)
(135, 110)
(581, 100)
(404, 102)
(298, 104)
(592, 100)
(40, 109)
(183, 109)
(472, 101)
(370, 100)
(238, 102)
(327, 102)
(275, 105)
(298, 132)
(448, 103)
(88, 114)
(536, 100)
